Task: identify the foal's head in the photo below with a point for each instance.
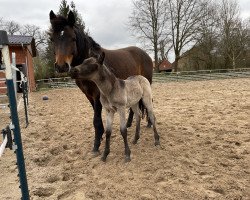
(89, 68)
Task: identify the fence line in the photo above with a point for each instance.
(159, 77)
(201, 75)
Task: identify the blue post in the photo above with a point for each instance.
(18, 140)
(14, 116)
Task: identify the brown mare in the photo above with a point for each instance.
(73, 46)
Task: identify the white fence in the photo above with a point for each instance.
(159, 77)
(202, 75)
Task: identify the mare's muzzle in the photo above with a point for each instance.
(62, 69)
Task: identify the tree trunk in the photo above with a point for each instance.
(175, 67)
(234, 65)
(156, 58)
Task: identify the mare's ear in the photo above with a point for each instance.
(71, 18)
(101, 58)
(52, 15)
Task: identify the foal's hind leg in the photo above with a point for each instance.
(156, 135)
(137, 113)
(148, 103)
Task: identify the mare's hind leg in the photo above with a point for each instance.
(109, 122)
(123, 129)
(98, 125)
(137, 113)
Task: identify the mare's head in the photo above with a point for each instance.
(89, 68)
(64, 37)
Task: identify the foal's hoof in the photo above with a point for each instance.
(96, 153)
(157, 143)
(134, 142)
(127, 159)
(149, 125)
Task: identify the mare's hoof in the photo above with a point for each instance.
(157, 143)
(129, 125)
(96, 153)
(127, 159)
(104, 159)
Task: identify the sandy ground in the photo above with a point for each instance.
(204, 153)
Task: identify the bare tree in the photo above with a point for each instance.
(234, 34)
(36, 32)
(185, 17)
(209, 36)
(1, 23)
(12, 27)
(148, 22)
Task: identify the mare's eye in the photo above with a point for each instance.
(73, 39)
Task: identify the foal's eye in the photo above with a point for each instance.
(51, 39)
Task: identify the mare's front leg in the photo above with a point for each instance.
(109, 122)
(123, 129)
(98, 125)
(92, 93)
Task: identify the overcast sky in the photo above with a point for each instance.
(105, 19)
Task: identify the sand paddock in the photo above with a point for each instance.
(204, 153)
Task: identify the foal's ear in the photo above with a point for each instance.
(71, 18)
(101, 58)
(52, 15)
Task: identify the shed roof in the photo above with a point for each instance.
(20, 39)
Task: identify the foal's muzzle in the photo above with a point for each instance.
(63, 68)
(74, 73)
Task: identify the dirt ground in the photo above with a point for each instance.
(204, 153)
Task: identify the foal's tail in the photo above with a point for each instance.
(142, 108)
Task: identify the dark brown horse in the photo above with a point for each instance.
(72, 46)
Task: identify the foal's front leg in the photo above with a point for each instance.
(109, 122)
(123, 129)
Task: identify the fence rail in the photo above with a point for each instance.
(55, 83)
(202, 75)
(159, 77)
